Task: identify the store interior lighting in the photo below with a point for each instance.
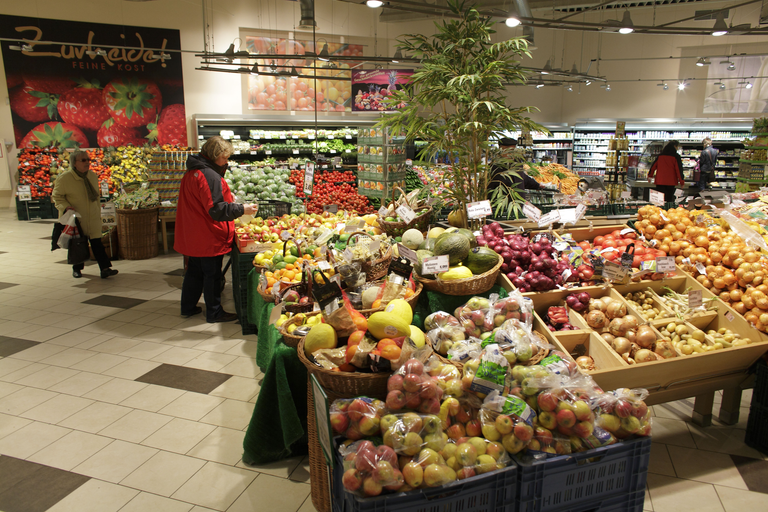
(627, 27)
(720, 84)
(94, 53)
(663, 85)
(547, 67)
(703, 61)
(20, 47)
(324, 55)
(748, 86)
(397, 57)
(569, 88)
(374, 3)
(681, 86)
(720, 28)
(513, 19)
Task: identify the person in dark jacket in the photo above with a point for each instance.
(707, 163)
(522, 182)
(668, 169)
(205, 228)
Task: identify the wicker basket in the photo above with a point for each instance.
(412, 300)
(377, 268)
(305, 289)
(265, 294)
(290, 339)
(540, 355)
(349, 384)
(469, 286)
(137, 233)
(421, 222)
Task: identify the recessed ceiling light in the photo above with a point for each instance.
(374, 3)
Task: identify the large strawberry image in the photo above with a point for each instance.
(132, 102)
(84, 106)
(171, 127)
(32, 105)
(49, 84)
(58, 135)
(112, 134)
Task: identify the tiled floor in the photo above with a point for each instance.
(111, 401)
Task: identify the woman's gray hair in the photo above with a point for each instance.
(215, 147)
(76, 153)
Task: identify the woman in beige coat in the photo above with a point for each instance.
(77, 189)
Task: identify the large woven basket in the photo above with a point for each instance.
(137, 233)
(290, 339)
(540, 355)
(347, 383)
(412, 300)
(471, 285)
(421, 222)
(265, 294)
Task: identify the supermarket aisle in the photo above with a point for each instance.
(110, 401)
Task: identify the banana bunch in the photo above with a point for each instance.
(131, 164)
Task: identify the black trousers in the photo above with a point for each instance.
(99, 253)
(203, 277)
(667, 190)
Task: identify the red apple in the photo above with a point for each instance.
(523, 431)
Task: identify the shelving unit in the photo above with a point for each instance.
(557, 147)
(381, 162)
(753, 167)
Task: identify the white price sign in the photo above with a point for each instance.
(435, 265)
(348, 254)
(105, 188)
(695, 298)
(729, 316)
(108, 214)
(679, 192)
(549, 218)
(274, 315)
(309, 178)
(656, 197)
(665, 264)
(580, 211)
(323, 265)
(626, 194)
(24, 192)
(479, 209)
(383, 211)
(531, 212)
(407, 253)
(406, 213)
(701, 268)
(330, 208)
(613, 271)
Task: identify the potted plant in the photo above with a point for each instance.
(137, 214)
(456, 102)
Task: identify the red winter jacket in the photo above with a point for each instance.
(206, 212)
(668, 171)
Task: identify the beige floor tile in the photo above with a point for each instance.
(115, 345)
(6, 388)
(735, 500)
(68, 357)
(30, 439)
(186, 339)
(57, 409)
(223, 445)
(99, 362)
(660, 463)
(43, 333)
(24, 400)
(73, 338)
(673, 432)
(679, 410)
(94, 342)
(95, 496)
(115, 461)
(129, 315)
(243, 367)
(215, 486)
(271, 493)
(70, 450)
(282, 468)
(179, 435)
(115, 391)
(218, 344)
(24, 371)
(674, 495)
(80, 384)
(95, 417)
(301, 473)
(166, 322)
(158, 334)
(708, 467)
(201, 509)
(145, 350)
(178, 355)
(210, 361)
(238, 388)
(16, 329)
(9, 365)
(145, 502)
(102, 326)
(129, 330)
(723, 440)
(231, 414)
(38, 352)
(47, 377)
(152, 398)
(131, 368)
(741, 424)
(10, 424)
(192, 406)
(135, 426)
(164, 473)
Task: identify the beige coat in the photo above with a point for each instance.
(70, 191)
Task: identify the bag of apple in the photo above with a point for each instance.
(488, 372)
(475, 455)
(507, 419)
(411, 387)
(517, 342)
(369, 470)
(443, 330)
(409, 433)
(559, 362)
(356, 418)
(476, 317)
(462, 351)
(459, 417)
(623, 412)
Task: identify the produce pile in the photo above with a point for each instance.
(261, 183)
(331, 187)
(566, 181)
(128, 164)
(35, 170)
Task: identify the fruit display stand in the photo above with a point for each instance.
(380, 162)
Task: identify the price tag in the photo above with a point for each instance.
(254, 152)
(311, 136)
(309, 179)
(333, 151)
(479, 209)
(580, 211)
(374, 246)
(339, 226)
(435, 265)
(24, 192)
(405, 213)
(613, 271)
(531, 212)
(274, 316)
(348, 137)
(626, 194)
(407, 253)
(695, 299)
(330, 137)
(105, 188)
(729, 316)
(351, 227)
(409, 162)
(347, 150)
(268, 152)
(383, 211)
(295, 151)
(323, 265)
(108, 214)
(549, 218)
(348, 254)
(331, 306)
(656, 197)
(566, 274)
(285, 236)
(294, 136)
(665, 264)
(331, 208)
(561, 245)
(237, 152)
(702, 270)
(679, 192)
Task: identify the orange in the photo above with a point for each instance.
(351, 351)
(289, 275)
(268, 274)
(376, 304)
(356, 337)
(408, 293)
(385, 342)
(391, 352)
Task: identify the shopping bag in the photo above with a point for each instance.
(69, 228)
(78, 251)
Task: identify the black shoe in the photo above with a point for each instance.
(223, 317)
(77, 274)
(108, 272)
(194, 312)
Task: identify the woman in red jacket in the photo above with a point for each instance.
(205, 228)
(668, 172)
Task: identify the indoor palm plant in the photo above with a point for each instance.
(456, 102)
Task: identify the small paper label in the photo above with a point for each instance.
(351, 227)
(435, 265)
(274, 316)
(406, 213)
(700, 267)
(383, 211)
(580, 211)
(679, 192)
(656, 197)
(295, 151)
(407, 253)
(566, 274)
(330, 208)
(374, 246)
(531, 212)
(309, 178)
(268, 152)
(331, 306)
(729, 316)
(104, 189)
(695, 298)
(626, 195)
(613, 271)
(549, 218)
(665, 264)
(24, 192)
(626, 231)
(561, 245)
(348, 254)
(285, 236)
(323, 265)
(479, 209)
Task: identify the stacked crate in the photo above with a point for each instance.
(380, 162)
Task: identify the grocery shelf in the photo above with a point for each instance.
(754, 162)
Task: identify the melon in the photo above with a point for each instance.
(455, 273)
(369, 296)
(481, 259)
(455, 245)
(412, 239)
(400, 308)
(470, 236)
(387, 325)
(421, 254)
(435, 232)
(428, 245)
(417, 337)
(320, 336)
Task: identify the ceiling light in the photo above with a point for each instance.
(569, 89)
(293, 71)
(547, 67)
(703, 61)
(627, 27)
(607, 87)
(587, 83)
(165, 56)
(720, 28)
(748, 86)
(663, 85)
(255, 69)
(324, 55)
(374, 3)
(94, 53)
(681, 86)
(397, 57)
(731, 66)
(20, 47)
(513, 19)
(720, 84)
(666, 87)
(539, 86)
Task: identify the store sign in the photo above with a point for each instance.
(309, 178)
(549, 218)
(531, 212)
(406, 213)
(435, 265)
(367, 87)
(108, 214)
(24, 192)
(330, 208)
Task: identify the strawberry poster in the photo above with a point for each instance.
(76, 84)
(371, 88)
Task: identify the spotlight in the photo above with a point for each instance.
(374, 3)
(20, 47)
(513, 20)
(731, 66)
(539, 86)
(703, 61)
(569, 89)
(627, 27)
(588, 83)
(720, 84)
(255, 69)
(99, 52)
(607, 87)
(720, 28)
(547, 67)
(324, 55)
(398, 55)
(165, 56)
(663, 85)
(748, 86)
(681, 86)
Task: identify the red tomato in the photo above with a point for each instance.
(585, 245)
(610, 243)
(599, 240)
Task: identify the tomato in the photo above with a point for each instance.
(636, 261)
(599, 240)
(611, 255)
(585, 245)
(610, 243)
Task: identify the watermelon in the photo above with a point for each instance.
(455, 245)
(481, 259)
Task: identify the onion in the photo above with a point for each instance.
(616, 309)
(618, 327)
(608, 337)
(606, 300)
(632, 322)
(645, 336)
(585, 363)
(631, 334)
(596, 305)
(596, 319)
(644, 356)
(665, 349)
(583, 297)
(622, 345)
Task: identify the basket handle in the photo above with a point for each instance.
(355, 234)
(325, 277)
(405, 196)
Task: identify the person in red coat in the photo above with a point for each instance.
(668, 171)
(205, 228)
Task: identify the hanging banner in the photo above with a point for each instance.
(370, 88)
(92, 85)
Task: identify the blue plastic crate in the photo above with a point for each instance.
(581, 481)
(493, 492)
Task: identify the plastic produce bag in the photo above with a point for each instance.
(370, 470)
(408, 433)
(517, 342)
(443, 331)
(355, 418)
(475, 456)
(508, 419)
(459, 416)
(411, 387)
(488, 372)
(623, 412)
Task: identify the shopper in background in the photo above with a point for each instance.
(205, 228)
(668, 169)
(707, 163)
(77, 189)
(521, 182)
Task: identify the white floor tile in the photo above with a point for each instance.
(191, 406)
(135, 426)
(215, 486)
(271, 493)
(164, 473)
(95, 496)
(30, 439)
(144, 502)
(711, 468)
(115, 391)
(735, 500)
(57, 409)
(70, 450)
(116, 461)
(23, 400)
(673, 495)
